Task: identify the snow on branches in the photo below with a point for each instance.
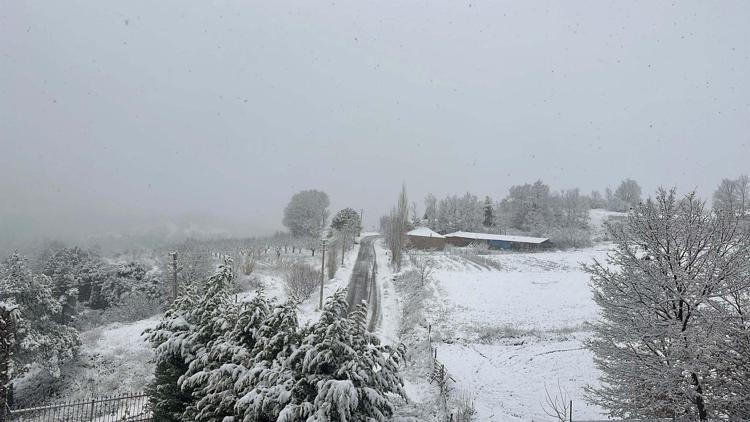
(674, 338)
(219, 360)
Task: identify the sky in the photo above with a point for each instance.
(116, 114)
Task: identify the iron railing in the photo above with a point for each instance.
(130, 407)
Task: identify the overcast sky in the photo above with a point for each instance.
(114, 112)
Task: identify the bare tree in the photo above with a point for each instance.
(395, 228)
(424, 266)
(733, 195)
(300, 281)
(557, 404)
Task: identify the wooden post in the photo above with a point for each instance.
(322, 272)
(571, 411)
(174, 275)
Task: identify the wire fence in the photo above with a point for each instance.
(130, 407)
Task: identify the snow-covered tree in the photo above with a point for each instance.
(346, 374)
(456, 213)
(231, 357)
(267, 386)
(596, 200)
(214, 314)
(168, 401)
(395, 227)
(40, 338)
(626, 196)
(430, 211)
(673, 339)
(75, 273)
(181, 341)
(306, 213)
(347, 225)
(9, 316)
(529, 207)
(733, 196)
(569, 209)
(489, 213)
(333, 370)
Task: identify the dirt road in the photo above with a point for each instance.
(363, 285)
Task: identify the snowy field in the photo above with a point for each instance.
(504, 331)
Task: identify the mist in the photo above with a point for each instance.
(124, 116)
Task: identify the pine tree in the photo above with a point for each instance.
(40, 338)
(346, 372)
(267, 385)
(9, 316)
(168, 401)
(489, 213)
(213, 316)
(230, 356)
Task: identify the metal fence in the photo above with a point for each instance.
(130, 407)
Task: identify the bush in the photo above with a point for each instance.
(133, 306)
(300, 281)
(570, 237)
(248, 283)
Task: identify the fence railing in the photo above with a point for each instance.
(131, 407)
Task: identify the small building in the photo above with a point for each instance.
(426, 239)
(498, 241)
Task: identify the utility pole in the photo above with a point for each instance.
(361, 221)
(174, 275)
(322, 272)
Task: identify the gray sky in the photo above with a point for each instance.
(113, 113)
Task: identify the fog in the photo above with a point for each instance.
(116, 116)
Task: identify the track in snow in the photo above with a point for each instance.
(362, 285)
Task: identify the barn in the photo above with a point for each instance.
(426, 239)
(499, 241)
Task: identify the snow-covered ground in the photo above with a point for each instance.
(506, 331)
(116, 359)
(599, 217)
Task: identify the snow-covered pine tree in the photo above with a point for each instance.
(670, 342)
(214, 314)
(40, 339)
(377, 373)
(9, 315)
(345, 374)
(230, 356)
(489, 213)
(266, 387)
(75, 273)
(167, 399)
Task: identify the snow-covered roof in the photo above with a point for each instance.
(507, 238)
(424, 232)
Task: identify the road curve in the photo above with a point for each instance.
(362, 285)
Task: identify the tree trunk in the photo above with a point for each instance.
(699, 402)
(6, 345)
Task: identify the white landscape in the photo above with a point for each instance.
(323, 211)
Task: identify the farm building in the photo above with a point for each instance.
(498, 241)
(424, 238)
